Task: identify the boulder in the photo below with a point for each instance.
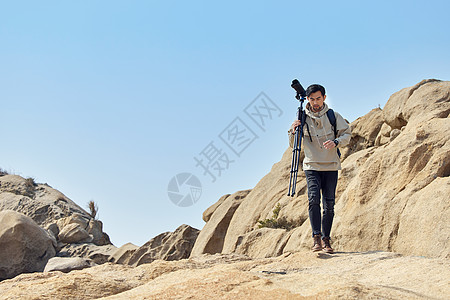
(24, 246)
(73, 233)
(424, 101)
(66, 264)
(90, 251)
(394, 133)
(167, 246)
(94, 229)
(75, 218)
(210, 239)
(383, 136)
(52, 229)
(123, 254)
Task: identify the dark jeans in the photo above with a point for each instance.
(326, 182)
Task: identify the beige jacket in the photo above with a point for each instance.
(316, 156)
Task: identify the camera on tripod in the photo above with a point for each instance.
(301, 93)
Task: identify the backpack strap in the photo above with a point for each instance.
(332, 118)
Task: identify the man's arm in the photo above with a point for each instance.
(291, 138)
(291, 133)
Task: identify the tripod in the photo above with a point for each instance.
(301, 96)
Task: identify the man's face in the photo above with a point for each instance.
(316, 101)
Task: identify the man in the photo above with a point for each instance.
(321, 163)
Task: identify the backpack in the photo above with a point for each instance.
(332, 118)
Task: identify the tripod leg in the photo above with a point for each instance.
(293, 164)
(297, 161)
(298, 146)
(296, 149)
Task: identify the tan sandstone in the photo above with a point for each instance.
(301, 275)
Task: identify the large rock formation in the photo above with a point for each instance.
(77, 234)
(49, 208)
(74, 231)
(167, 246)
(24, 246)
(40, 202)
(218, 217)
(392, 193)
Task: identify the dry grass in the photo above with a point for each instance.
(3, 172)
(93, 208)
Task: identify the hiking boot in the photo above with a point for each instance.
(326, 246)
(317, 243)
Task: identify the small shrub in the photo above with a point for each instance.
(30, 187)
(30, 181)
(93, 208)
(276, 222)
(3, 172)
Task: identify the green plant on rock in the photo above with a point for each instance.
(276, 221)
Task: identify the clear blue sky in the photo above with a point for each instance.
(108, 100)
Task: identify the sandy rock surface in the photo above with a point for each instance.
(301, 275)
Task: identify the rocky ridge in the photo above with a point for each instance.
(43, 230)
(392, 196)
